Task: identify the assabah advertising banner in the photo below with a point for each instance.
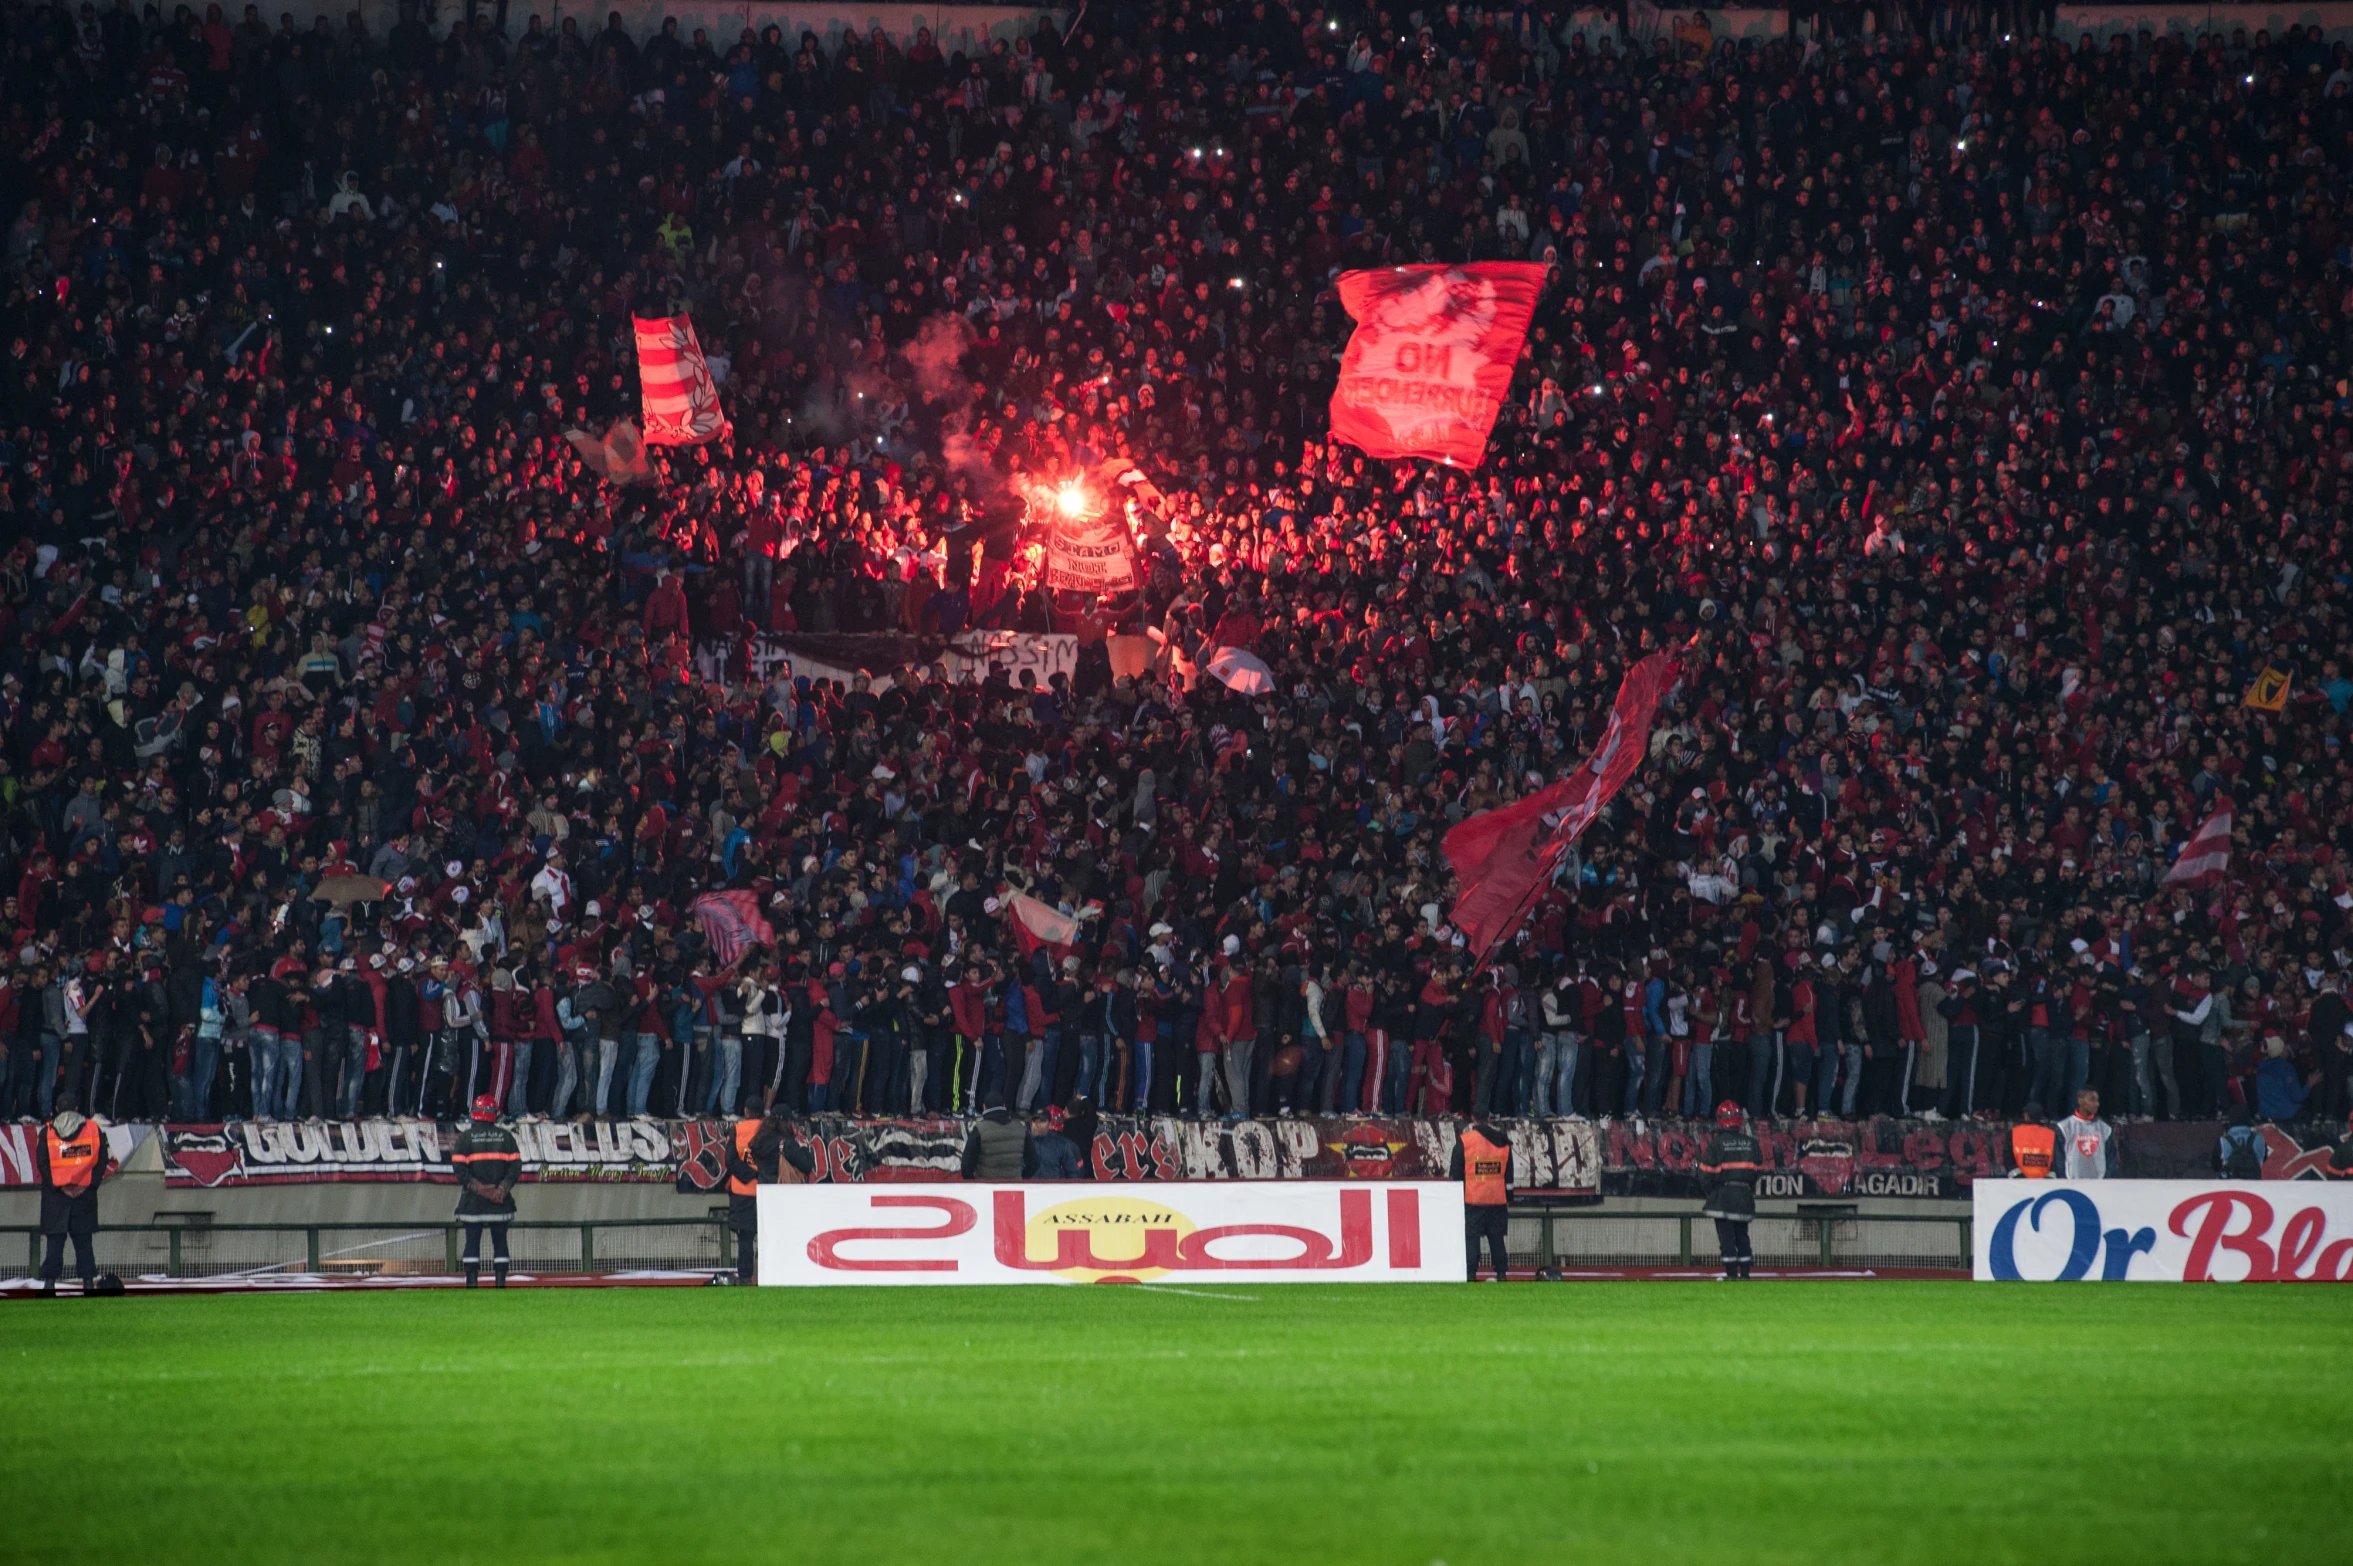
(1313, 1231)
(2163, 1231)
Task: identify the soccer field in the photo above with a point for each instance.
(1641, 1422)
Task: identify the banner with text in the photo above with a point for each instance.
(2163, 1231)
(1567, 1158)
(1325, 1231)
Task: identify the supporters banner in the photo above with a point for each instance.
(1558, 1157)
(680, 402)
(20, 1159)
(1430, 362)
(1503, 857)
(2163, 1231)
(970, 656)
(293, 1152)
(1090, 554)
(1325, 1231)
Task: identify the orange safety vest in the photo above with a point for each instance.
(745, 1130)
(1485, 1165)
(2031, 1149)
(786, 1174)
(73, 1162)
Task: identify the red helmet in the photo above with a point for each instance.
(1728, 1115)
(486, 1108)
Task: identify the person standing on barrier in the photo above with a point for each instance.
(760, 1151)
(1482, 1162)
(488, 1164)
(74, 1159)
(1732, 1159)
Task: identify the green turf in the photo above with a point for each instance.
(1655, 1423)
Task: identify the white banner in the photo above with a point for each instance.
(1320, 1231)
(2164, 1231)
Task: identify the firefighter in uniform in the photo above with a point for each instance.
(1482, 1162)
(488, 1165)
(2033, 1145)
(1733, 1159)
(74, 1160)
(759, 1152)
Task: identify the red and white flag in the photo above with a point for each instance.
(1431, 360)
(1503, 857)
(2205, 858)
(732, 923)
(674, 384)
(1035, 925)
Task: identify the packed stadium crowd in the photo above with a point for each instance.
(1968, 412)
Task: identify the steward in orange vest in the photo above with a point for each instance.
(760, 1152)
(73, 1159)
(1482, 1162)
(2033, 1146)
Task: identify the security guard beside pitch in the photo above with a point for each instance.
(1482, 1162)
(1733, 1158)
(759, 1152)
(488, 1165)
(73, 1158)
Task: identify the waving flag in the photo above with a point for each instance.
(2205, 858)
(1432, 357)
(674, 383)
(1503, 857)
(732, 923)
(1035, 925)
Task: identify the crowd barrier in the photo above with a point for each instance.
(1542, 1237)
(194, 1247)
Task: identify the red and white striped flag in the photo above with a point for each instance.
(732, 923)
(2205, 858)
(674, 384)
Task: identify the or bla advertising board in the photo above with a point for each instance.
(1174, 1233)
(2163, 1231)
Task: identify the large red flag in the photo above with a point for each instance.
(674, 384)
(1427, 370)
(1503, 857)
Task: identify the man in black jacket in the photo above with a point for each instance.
(402, 1034)
(1733, 1159)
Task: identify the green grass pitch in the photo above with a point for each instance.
(1653, 1423)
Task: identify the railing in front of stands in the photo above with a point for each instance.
(1811, 1234)
(191, 1246)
